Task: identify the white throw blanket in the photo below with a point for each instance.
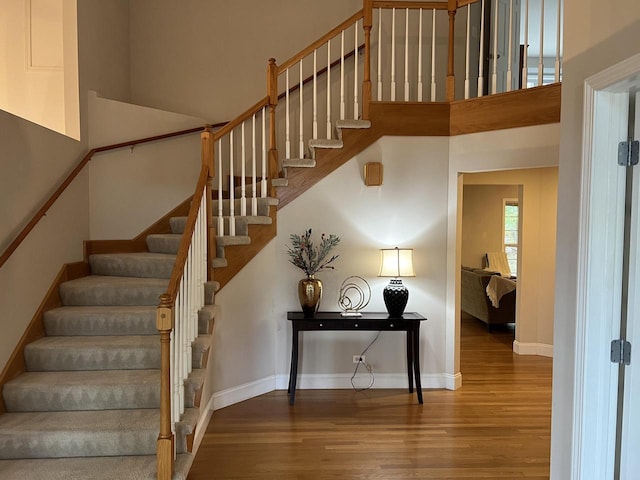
(498, 287)
(497, 262)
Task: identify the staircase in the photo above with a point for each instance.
(88, 405)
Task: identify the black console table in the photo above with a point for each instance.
(409, 322)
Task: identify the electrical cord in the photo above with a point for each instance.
(366, 365)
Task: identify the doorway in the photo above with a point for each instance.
(605, 445)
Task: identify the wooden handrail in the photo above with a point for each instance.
(240, 118)
(74, 173)
(464, 3)
(183, 251)
(321, 41)
(410, 5)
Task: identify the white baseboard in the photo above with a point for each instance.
(381, 380)
(542, 349)
(201, 426)
(243, 392)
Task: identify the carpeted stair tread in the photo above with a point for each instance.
(298, 162)
(85, 390)
(164, 242)
(280, 182)
(78, 434)
(140, 264)
(101, 320)
(242, 223)
(132, 352)
(219, 262)
(108, 290)
(228, 240)
(134, 467)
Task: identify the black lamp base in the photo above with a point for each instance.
(395, 297)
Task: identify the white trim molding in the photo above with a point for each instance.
(243, 392)
(526, 348)
(599, 275)
(381, 380)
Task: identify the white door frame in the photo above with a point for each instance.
(599, 279)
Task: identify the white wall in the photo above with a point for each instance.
(131, 189)
(597, 35)
(35, 160)
(482, 219)
(209, 58)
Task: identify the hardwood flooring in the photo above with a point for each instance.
(497, 426)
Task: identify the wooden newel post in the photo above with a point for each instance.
(366, 83)
(272, 93)
(208, 160)
(452, 7)
(165, 444)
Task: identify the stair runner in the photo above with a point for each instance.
(88, 405)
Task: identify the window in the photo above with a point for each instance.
(511, 213)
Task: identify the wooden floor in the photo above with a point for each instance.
(496, 426)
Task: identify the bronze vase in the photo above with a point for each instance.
(309, 293)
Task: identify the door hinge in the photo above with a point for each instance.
(628, 153)
(621, 351)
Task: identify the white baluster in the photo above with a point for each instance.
(510, 50)
(177, 355)
(187, 323)
(468, 48)
(481, 54)
(494, 75)
(433, 56)
(232, 208)
(342, 103)
(183, 335)
(406, 55)
(254, 168)
(315, 95)
(263, 190)
(525, 53)
(541, 58)
(379, 54)
(328, 89)
(558, 33)
(243, 173)
(420, 57)
(393, 54)
(356, 105)
(287, 142)
(301, 126)
(220, 187)
(172, 369)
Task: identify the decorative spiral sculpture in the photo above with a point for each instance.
(355, 294)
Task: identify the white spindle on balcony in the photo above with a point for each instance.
(481, 53)
(558, 39)
(525, 54)
(315, 94)
(420, 56)
(433, 56)
(406, 55)
(329, 89)
(510, 49)
(393, 54)
(467, 53)
(541, 55)
(380, 54)
(494, 58)
(356, 104)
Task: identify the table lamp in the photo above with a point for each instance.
(396, 263)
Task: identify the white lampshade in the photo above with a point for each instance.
(396, 262)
